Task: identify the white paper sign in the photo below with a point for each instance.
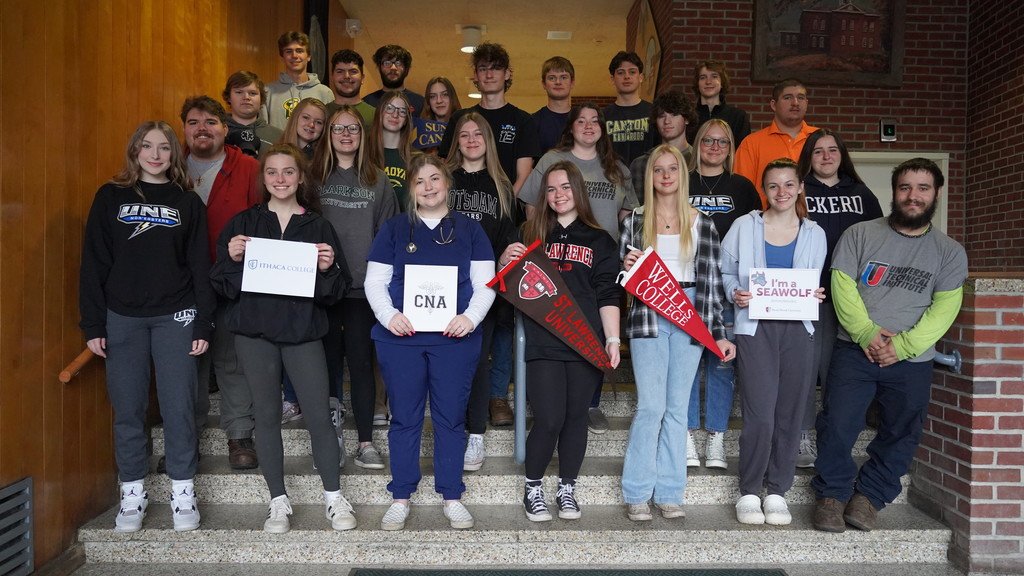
(279, 267)
(431, 296)
(784, 293)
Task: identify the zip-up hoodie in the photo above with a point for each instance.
(279, 319)
(253, 139)
(285, 94)
(743, 249)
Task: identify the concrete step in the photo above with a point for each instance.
(497, 441)
(149, 569)
(500, 481)
(503, 536)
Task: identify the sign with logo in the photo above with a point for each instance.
(431, 296)
(784, 293)
(279, 267)
(651, 283)
(533, 285)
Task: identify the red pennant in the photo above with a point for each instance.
(541, 293)
(650, 282)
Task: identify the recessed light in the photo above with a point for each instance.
(559, 35)
(475, 95)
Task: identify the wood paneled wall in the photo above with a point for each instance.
(75, 80)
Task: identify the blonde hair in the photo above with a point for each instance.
(325, 159)
(686, 248)
(491, 161)
(290, 134)
(704, 129)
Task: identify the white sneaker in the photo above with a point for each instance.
(714, 455)
(290, 412)
(381, 419)
(134, 501)
(394, 518)
(638, 512)
(808, 452)
(277, 516)
(692, 458)
(475, 454)
(183, 506)
(748, 510)
(368, 457)
(457, 515)
(776, 512)
(339, 512)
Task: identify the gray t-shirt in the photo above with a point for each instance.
(606, 199)
(357, 212)
(897, 275)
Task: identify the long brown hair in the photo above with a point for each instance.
(453, 97)
(787, 164)
(325, 159)
(308, 196)
(129, 175)
(543, 220)
(491, 161)
(289, 135)
(605, 152)
(375, 149)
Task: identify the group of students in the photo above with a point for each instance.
(353, 187)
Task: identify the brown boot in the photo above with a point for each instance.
(242, 454)
(828, 515)
(860, 513)
(501, 413)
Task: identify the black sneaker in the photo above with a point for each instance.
(568, 508)
(533, 501)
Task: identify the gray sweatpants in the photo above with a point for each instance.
(131, 343)
(775, 366)
(307, 366)
(235, 398)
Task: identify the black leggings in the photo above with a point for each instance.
(480, 393)
(348, 338)
(559, 393)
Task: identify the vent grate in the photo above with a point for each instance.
(16, 528)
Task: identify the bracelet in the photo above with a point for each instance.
(612, 340)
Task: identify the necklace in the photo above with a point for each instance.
(718, 179)
(669, 222)
(905, 235)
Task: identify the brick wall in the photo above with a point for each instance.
(995, 140)
(969, 468)
(930, 106)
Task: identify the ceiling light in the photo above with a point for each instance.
(471, 37)
(559, 35)
(475, 95)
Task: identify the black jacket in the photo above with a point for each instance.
(279, 319)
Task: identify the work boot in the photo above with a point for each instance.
(242, 454)
(828, 515)
(860, 513)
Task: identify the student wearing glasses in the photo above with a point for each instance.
(724, 196)
(390, 142)
(394, 64)
(357, 199)
(415, 363)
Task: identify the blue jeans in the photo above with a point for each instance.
(655, 464)
(902, 391)
(718, 388)
(501, 358)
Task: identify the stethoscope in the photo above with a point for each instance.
(444, 238)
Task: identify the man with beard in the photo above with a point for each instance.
(244, 94)
(897, 284)
(347, 82)
(225, 178)
(295, 83)
(783, 138)
(394, 63)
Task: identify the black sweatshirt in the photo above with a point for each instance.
(588, 260)
(145, 255)
(475, 195)
(279, 319)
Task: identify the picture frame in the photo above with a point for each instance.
(845, 42)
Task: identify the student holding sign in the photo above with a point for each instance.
(144, 294)
(274, 331)
(426, 282)
(560, 382)
(665, 358)
(775, 357)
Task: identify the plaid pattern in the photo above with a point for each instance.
(642, 321)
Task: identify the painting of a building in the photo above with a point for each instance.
(846, 30)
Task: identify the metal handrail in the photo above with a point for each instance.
(76, 365)
(519, 451)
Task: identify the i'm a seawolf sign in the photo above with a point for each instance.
(533, 285)
(650, 281)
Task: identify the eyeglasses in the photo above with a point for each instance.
(390, 63)
(352, 129)
(489, 68)
(710, 142)
(402, 112)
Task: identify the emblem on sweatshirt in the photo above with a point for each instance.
(147, 216)
(289, 106)
(185, 316)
